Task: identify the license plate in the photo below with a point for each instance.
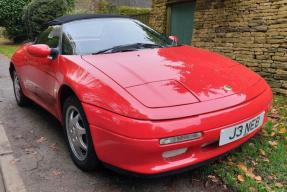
(239, 131)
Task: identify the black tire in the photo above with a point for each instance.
(20, 98)
(90, 161)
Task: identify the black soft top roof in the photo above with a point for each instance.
(70, 18)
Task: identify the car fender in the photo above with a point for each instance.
(93, 87)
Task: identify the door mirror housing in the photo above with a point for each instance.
(174, 39)
(54, 53)
(39, 50)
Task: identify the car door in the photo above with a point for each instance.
(41, 71)
(182, 21)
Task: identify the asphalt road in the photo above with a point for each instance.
(44, 163)
(1, 184)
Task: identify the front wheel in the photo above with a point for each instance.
(78, 136)
(21, 99)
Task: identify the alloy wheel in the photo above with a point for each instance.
(17, 87)
(76, 133)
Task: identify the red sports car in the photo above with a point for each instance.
(136, 100)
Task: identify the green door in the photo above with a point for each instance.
(182, 18)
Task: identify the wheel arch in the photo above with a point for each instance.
(64, 92)
(11, 69)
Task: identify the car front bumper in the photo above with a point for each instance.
(133, 145)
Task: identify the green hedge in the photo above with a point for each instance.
(22, 17)
(125, 10)
(71, 4)
(11, 18)
(106, 8)
(39, 12)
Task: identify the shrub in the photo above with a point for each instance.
(11, 18)
(104, 7)
(71, 4)
(1, 31)
(125, 10)
(38, 13)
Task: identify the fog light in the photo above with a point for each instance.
(169, 154)
(181, 138)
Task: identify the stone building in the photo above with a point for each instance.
(253, 32)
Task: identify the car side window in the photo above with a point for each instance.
(67, 46)
(50, 37)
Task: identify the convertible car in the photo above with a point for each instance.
(132, 99)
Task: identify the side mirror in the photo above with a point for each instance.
(39, 50)
(174, 39)
(54, 53)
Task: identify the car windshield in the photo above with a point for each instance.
(93, 36)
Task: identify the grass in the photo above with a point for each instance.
(261, 164)
(7, 48)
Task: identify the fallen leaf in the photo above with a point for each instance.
(230, 159)
(252, 189)
(29, 151)
(230, 163)
(282, 131)
(272, 134)
(280, 185)
(54, 147)
(264, 133)
(248, 171)
(273, 143)
(273, 110)
(14, 161)
(213, 178)
(258, 178)
(240, 178)
(242, 167)
(57, 173)
(253, 163)
(274, 128)
(41, 140)
(262, 152)
(274, 116)
(251, 145)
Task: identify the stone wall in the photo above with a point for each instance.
(158, 15)
(253, 32)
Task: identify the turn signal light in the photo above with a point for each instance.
(181, 138)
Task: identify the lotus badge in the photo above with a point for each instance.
(227, 88)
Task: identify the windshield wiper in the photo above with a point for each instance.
(128, 47)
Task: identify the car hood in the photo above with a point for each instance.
(174, 76)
